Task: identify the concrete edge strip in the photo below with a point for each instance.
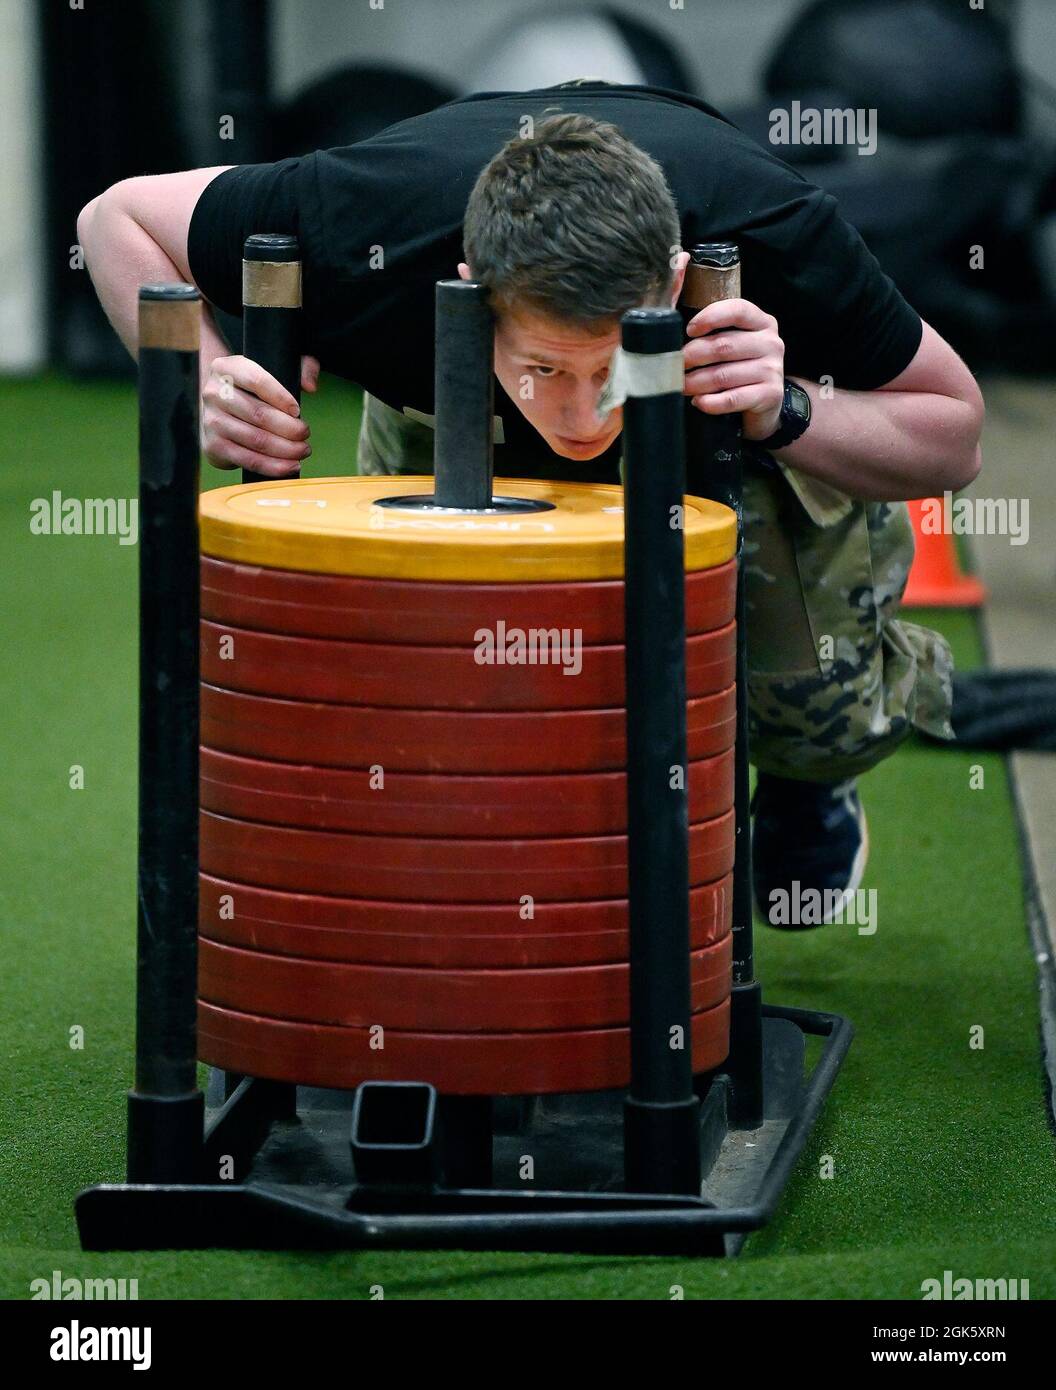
(1040, 941)
(1039, 930)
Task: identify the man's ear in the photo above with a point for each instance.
(681, 261)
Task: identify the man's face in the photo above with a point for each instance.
(554, 370)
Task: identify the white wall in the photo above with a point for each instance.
(724, 42)
(22, 335)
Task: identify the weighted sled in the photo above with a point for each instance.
(514, 1063)
(320, 798)
(449, 741)
(423, 613)
(441, 870)
(386, 932)
(335, 526)
(485, 1000)
(431, 677)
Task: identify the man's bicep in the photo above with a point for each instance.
(163, 204)
(938, 370)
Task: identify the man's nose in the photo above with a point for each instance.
(585, 423)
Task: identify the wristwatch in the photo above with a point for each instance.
(795, 417)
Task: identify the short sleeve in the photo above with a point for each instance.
(249, 198)
(838, 313)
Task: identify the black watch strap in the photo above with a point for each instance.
(793, 420)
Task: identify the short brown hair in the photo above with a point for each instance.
(575, 221)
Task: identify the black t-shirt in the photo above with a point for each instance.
(381, 221)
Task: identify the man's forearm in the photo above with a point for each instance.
(121, 255)
(887, 445)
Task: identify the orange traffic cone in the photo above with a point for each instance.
(936, 579)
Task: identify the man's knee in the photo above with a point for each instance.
(824, 728)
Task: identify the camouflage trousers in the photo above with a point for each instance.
(836, 680)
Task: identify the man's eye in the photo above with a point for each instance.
(545, 371)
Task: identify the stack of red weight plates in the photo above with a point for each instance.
(414, 859)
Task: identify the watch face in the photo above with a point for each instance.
(800, 401)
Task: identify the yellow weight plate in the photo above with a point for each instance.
(334, 526)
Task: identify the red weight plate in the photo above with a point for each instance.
(398, 610)
(367, 673)
(497, 1064)
(323, 798)
(442, 1001)
(380, 932)
(442, 740)
(441, 870)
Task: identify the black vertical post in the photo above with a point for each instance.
(713, 469)
(466, 1126)
(271, 337)
(463, 465)
(165, 1108)
(661, 1111)
(465, 395)
(271, 313)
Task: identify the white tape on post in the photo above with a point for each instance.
(641, 374)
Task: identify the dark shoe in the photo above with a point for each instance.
(810, 844)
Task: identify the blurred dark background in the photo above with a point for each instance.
(965, 101)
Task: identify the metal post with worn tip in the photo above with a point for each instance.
(165, 1107)
(713, 469)
(271, 313)
(465, 396)
(662, 1151)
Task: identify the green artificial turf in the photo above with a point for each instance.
(942, 1155)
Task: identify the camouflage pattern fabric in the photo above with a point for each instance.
(836, 681)
(392, 443)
